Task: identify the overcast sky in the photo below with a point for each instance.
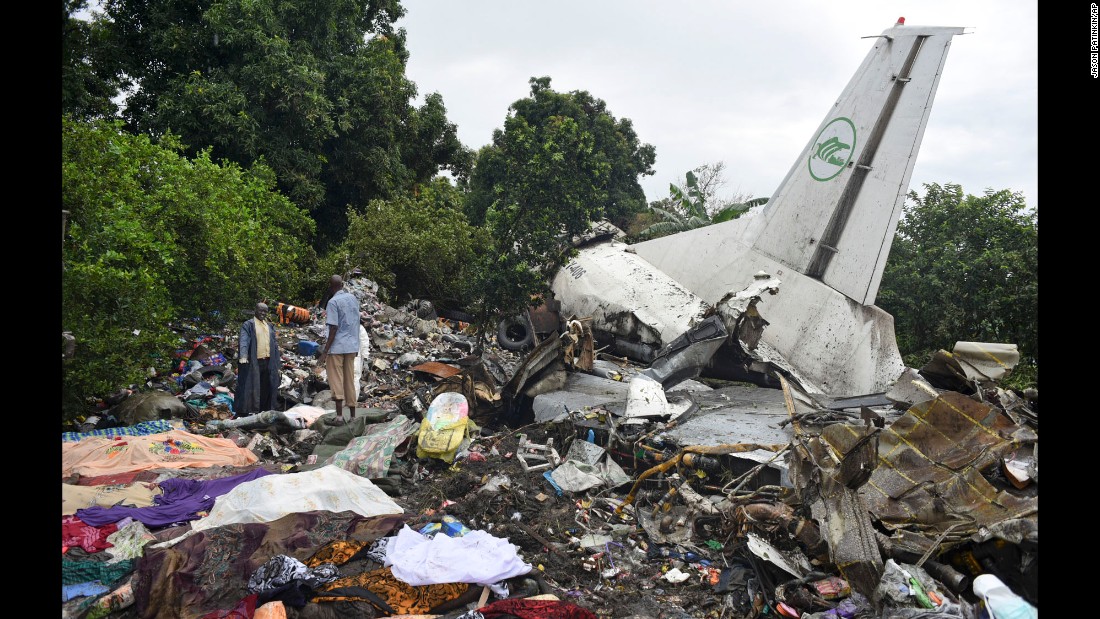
(744, 83)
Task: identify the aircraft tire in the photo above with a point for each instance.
(515, 333)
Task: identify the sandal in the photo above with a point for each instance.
(336, 421)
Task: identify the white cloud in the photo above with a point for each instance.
(709, 81)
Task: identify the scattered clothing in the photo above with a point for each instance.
(181, 500)
(75, 532)
(176, 449)
(84, 589)
(74, 497)
(281, 570)
(476, 558)
(73, 572)
(370, 455)
(128, 542)
(390, 595)
(139, 429)
(525, 608)
(245, 609)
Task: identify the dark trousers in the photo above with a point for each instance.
(267, 398)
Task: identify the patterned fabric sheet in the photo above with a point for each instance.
(173, 450)
(210, 570)
(139, 429)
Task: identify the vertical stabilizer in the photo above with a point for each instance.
(827, 230)
(834, 216)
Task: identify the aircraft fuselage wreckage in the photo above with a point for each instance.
(821, 241)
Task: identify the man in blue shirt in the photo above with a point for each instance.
(341, 347)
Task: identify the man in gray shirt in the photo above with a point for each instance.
(341, 347)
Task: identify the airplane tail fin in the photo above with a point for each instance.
(834, 216)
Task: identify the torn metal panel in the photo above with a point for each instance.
(792, 562)
(929, 474)
(581, 392)
(985, 362)
(734, 414)
(688, 354)
(545, 357)
(827, 484)
(1015, 530)
(857, 401)
(735, 305)
(847, 530)
(550, 406)
(738, 414)
(598, 231)
(586, 391)
(646, 400)
(971, 366)
(1017, 408)
(910, 389)
(437, 369)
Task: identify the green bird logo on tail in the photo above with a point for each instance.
(827, 149)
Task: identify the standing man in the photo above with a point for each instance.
(361, 360)
(260, 361)
(341, 347)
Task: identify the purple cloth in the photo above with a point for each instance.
(180, 501)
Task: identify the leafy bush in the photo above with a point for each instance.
(153, 237)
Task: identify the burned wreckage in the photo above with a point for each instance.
(895, 469)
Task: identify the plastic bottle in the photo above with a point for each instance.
(1000, 602)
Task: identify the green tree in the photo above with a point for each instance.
(153, 237)
(596, 157)
(690, 209)
(413, 247)
(964, 268)
(91, 75)
(561, 161)
(317, 91)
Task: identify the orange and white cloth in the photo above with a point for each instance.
(169, 450)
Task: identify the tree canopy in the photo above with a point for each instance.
(414, 248)
(964, 268)
(561, 161)
(565, 149)
(152, 237)
(91, 75)
(317, 91)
